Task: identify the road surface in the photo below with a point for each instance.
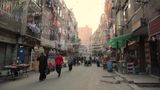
(80, 78)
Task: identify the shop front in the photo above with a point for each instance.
(140, 38)
(134, 49)
(154, 37)
(119, 45)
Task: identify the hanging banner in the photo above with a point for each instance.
(21, 54)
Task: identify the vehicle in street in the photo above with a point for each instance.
(87, 61)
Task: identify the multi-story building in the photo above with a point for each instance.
(49, 26)
(99, 38)
(96, 43)
(10, 28)
(26, 24)
(20, 27)
(110, 30)
(85, 34)
(131, 21)
(104, 30)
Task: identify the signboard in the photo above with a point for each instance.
(154, 26)
(136, 25)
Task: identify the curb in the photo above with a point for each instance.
(134, 87)
(133, 82)
(124, 77)
(155, 76)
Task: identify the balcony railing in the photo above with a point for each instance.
(33, 30)
(33, 6)
(10, 21)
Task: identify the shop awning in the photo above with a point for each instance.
(118, 42)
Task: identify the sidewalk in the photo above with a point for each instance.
(111, 79)
(139, 79)
(5, 78)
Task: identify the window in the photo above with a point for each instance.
(1, 4)
(5, 6)
(125, 14)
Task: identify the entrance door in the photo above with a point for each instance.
(154, 61)
(9, 54)
(2, 54)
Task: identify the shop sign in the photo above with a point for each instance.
(136, 25)
(154, 26)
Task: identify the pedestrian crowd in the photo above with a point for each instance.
(48, 62)
(52, 61)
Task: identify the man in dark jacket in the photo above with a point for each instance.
(42, 66)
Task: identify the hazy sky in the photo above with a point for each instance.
(87, 12)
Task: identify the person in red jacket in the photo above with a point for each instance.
(58, 62)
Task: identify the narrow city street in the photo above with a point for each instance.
(121, 35)
(81, 78)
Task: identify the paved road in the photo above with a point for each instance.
(81, 78)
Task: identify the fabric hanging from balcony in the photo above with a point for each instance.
(118, 42)
(34, 28)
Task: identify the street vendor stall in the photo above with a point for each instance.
(14, 71)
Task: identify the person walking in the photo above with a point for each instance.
(58, 62)
(105, 58)
(42, 66)
(98, 61)
(70, 62)
(51, 61)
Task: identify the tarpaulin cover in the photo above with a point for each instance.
(118, 42)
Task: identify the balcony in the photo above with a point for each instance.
(34, 7)
(48, 4)
(48, 43)
(33, 30)
(10, 21)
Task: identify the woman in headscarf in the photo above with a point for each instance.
(42, 66)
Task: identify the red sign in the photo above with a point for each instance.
(55, 22)
(154, 26)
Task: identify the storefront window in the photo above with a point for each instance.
(9, 51)
(2, 54)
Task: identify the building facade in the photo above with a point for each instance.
(28, 24)
(131, 19)
(84, 34)
(19, 27)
